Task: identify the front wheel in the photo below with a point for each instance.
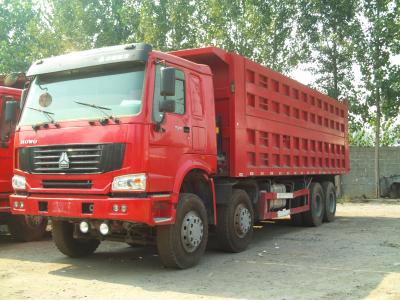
(181, 245)
(27, 228)
(63, 237)
(235, 222)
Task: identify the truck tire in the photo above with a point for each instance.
(330, 201)
(315, 215)
(235, 222)
(181, 245)
(27, 228)
(67, 244)
(296, 219)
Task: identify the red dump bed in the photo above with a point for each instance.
(271, 124)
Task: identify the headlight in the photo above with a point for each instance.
(133, 182)
(18, 182)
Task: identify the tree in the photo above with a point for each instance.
(79, 25)
(374, 49)
(328, 28)
(21, 36)
(262, 30)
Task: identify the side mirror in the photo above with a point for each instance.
(167, 105)
(10, 111)
(167, 81)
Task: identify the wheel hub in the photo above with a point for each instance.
(242, 220)
(191, 231)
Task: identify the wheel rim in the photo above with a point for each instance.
(242, 220)
(191, 231)
(34, 221)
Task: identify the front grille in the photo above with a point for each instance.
(67, 184)
(72, 159)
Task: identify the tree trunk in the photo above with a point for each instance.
(377, 141)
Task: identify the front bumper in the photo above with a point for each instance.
(151, 210)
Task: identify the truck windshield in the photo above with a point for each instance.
(120, 90)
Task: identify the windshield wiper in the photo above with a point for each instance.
(102, 110)
(48, 116)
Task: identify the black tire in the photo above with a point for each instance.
(231, 237)
(67, 244)
(315, 215)
(27, 228)
(171, 246)
(330, 201)
(296, 219)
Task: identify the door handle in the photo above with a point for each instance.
(186, 129)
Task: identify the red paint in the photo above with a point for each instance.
(271, 125)
(265, 212)
(6, 153)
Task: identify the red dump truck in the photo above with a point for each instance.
(129, 144)
(23, 228)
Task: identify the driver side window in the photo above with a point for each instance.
(5, 127)
(179, 97)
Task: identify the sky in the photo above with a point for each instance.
(304, 76)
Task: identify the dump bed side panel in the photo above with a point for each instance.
(283, 127)
(272, 125)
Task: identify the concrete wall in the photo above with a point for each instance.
(360, 182)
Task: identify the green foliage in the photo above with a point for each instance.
(328, 27)
(17, 30)
(375, 45)
(332, 36)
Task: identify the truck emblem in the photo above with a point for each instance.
(63, 162)
(28, 142)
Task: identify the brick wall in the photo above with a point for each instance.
(361, 179)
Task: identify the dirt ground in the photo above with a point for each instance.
(356, 257)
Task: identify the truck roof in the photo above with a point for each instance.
(93, 57)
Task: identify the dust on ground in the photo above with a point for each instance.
(356, 257)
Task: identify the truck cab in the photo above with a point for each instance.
(98, 127)
(7, 128)
(23, 228)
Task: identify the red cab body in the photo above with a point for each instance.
(6, 148)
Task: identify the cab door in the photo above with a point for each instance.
(199, 133)
(171, 133)
(6, 147)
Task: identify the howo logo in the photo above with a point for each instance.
(28, 142)
(63, 162)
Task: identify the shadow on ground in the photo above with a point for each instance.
(347, 258)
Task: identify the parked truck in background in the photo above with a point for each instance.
(129, 144)
(24, 228)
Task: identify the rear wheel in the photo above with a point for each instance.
(315, 215)
(181, 245)
(330, 201)
(235, 222)
(64, 240)
(27, 228)
(296, 219)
